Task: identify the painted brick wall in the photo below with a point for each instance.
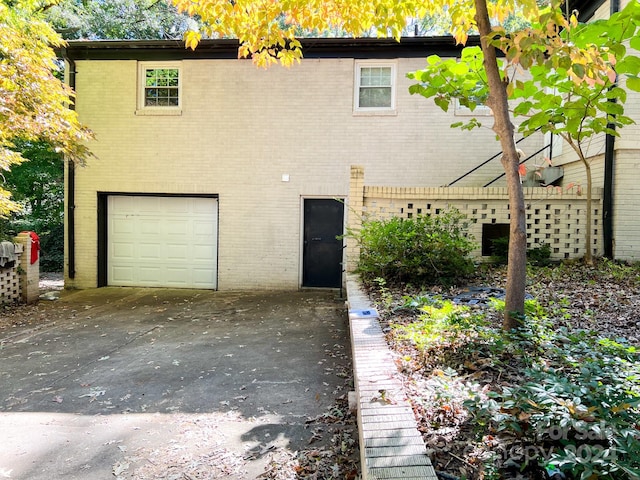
(625, 203)
(20, 282)
(554, 217)
(240, 130)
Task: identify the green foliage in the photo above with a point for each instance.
(440, 323)
(540, 254)
(447, 80)
(38, 187)
(574, 404)
(422, 250)
(566, 93)
(500, 249)
(579, 405)
(38, 184)
(118, 19)
(34, 102)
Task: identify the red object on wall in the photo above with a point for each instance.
(35, 246)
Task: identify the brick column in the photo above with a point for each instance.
(355, 212)
(29, 274)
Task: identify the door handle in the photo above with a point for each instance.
(316, 239)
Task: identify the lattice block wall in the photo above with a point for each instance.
(553, 218)
(9, 285)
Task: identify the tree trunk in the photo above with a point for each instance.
(498, 102)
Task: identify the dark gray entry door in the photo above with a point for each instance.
(322, 253)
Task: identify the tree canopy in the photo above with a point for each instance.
(557, 96)
(34, 103)
(118, 19)
(266, 30)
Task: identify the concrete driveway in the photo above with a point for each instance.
(138, 383)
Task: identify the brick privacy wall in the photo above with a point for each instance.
(240, 130)
(9, 285)
(553, 217)
(20, 283)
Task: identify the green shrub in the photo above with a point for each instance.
(52, 249)
(423, 250)
(51, 240)
(539, 255)
(578, 410)
(500, 249)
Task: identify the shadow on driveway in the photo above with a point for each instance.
(132, 383)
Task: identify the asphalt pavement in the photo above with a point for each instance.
(130, 383)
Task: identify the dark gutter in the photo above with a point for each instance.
(407, 47)
(71, 183)
(609, 163)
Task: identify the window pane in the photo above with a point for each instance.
(375, 97)
(375, 76)
(161, 87)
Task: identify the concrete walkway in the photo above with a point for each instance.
(119, 383)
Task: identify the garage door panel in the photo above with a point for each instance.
(176, 226)
(123, 274)
(162, 241)
(179, 206)
(178, 275)
(149, 251)
(149, 226)
(150, 274)
(122, 227)
(203, 228)
(176, 253)
(199, 207)
(203, 253)
(123, 250)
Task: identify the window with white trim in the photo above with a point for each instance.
(375, 87)
(159, 87)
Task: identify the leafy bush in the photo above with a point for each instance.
(561, 401)
(52, 249)
(500, 249)
(577, 412)
(540, 255)
(423, 250)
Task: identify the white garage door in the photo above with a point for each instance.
(162, 241)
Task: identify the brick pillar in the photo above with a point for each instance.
(29, 273)
(354, 214)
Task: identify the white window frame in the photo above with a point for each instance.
(143, 109)
(359, 65)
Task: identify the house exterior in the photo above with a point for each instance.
(212, 173)
(615, 162)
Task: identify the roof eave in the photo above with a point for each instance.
(228, 48)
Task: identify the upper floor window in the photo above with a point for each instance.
(160, 88)
(375, 87)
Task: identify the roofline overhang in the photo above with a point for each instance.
(359, 48)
